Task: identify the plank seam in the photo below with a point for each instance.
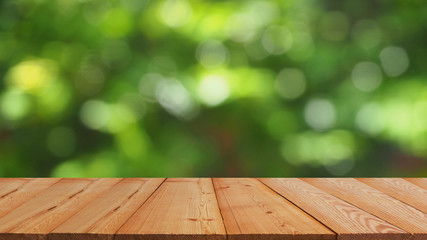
(414, 182)
(35, 195)
(412, 235)
(142, 204)
(94, 224)
(232, 213)
(375, 187)
(336, 234)
(16, 190)
(50, 233)
(219, 208)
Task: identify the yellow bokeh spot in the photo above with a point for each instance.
(32, 75)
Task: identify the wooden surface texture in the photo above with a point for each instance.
(213, 209)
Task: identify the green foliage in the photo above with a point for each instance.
(107, 88)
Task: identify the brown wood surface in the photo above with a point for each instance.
(400, 189)
(252, 211)
(106, 214)
(42, 213)
(177, 210)
(343, 218)
(377, 203)
(422, 182)
(212, 209)
(15, 192)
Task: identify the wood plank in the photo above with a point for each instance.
(9, 185)
(104, 216)
(185, 179)
(252, 211)
(421, 182)
(343, 218)
(400, 189)
(15, 192)
(178, 210)
(375, 202)
(187, 208)
(44, 212)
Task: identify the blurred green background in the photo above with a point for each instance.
(105, 88)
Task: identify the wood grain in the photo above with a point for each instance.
(375, 202)
(105, 215)
(252, 211)
(186, 179)
(343, 218)
(421, 182)
(212, 209)
(41, 214)
(10, 185)
(400, 189)
(15, 192)
(177, 210)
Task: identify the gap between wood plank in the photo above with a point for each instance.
(223, 221)
(415, 234)
(252, 210)
(336, 234)
(381, 189)
(347, 220)
(421, 182)
(164, 180)
(121, 179)
(220, 211)
(177, 210)
(218, 206)
(44, 229)
(29, 182)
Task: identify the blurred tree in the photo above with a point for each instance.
(105, 88)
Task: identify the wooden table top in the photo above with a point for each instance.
(213, 208)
